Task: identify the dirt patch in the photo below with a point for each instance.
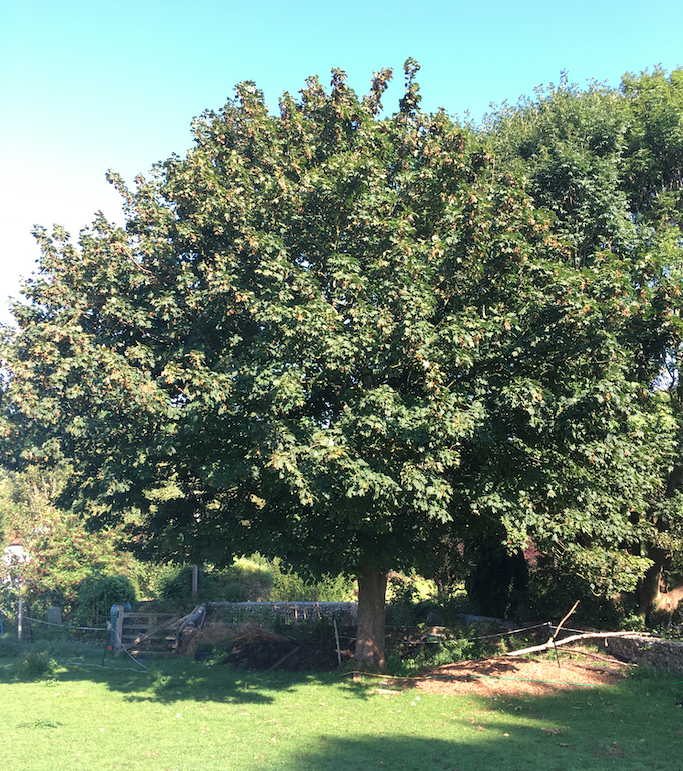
(521, 676)
(260, 650)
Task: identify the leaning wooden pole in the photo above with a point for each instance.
(559, 626)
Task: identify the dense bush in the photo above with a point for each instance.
(37, 664)
(66, 554)
(246, 579)
(289, 586)
(256, 573)
(98, 593)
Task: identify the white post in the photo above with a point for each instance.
(20, 614)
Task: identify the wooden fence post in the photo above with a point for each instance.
(195, 580)
(118, 630)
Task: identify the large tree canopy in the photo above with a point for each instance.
(345, 340)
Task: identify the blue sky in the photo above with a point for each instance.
(88, 86)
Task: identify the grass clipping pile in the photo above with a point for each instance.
(259, 649)
(254, 646)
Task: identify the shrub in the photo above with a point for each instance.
(289, 586)
(98, 593)
(175, 585)
(37, 664)
(256, 574)
(65, 554)
(235, 591)
(9, 646)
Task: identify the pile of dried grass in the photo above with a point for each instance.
(217, 634)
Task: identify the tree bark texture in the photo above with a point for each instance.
(371, 621)
(656, 601)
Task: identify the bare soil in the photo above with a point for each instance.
(515, 676)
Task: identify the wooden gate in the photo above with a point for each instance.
(151, 633)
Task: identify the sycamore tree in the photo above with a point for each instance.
(333, 337)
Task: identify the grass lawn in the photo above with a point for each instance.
(191, 715)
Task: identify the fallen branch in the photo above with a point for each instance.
(552, 642)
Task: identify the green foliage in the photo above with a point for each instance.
(311, 629)
(65, 554)
(607, 164)
(97, 593)
(175, 585)
(9, 646)
(404, 598)
(251, 579)
(41, 723)
(248, 578)
(146, 576)
(408, 659)
(37, 664)
(355, 342)
(300, 321)
(27, 499)
(235, 591)
(289, 586)
(255, 573)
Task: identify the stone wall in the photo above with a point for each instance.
(343, 612)
(663, 654)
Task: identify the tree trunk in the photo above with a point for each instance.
(653, 604)
(651, 583)
(656, 602)
(372, 588)
(651, 589)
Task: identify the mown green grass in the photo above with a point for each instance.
(193, 716)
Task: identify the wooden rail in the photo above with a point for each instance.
(156, 633)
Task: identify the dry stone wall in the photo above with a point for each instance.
(663, 654)
(343, 612)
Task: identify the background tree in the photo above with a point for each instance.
(607, 163)
(62, 551)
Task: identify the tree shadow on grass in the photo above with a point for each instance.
(412, 753)
(167, 680)
(632, 726)
(635, 725)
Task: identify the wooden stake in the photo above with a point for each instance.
(195, 580)
(336, 636)
(283, 659)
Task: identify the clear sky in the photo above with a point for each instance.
(86, 86)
